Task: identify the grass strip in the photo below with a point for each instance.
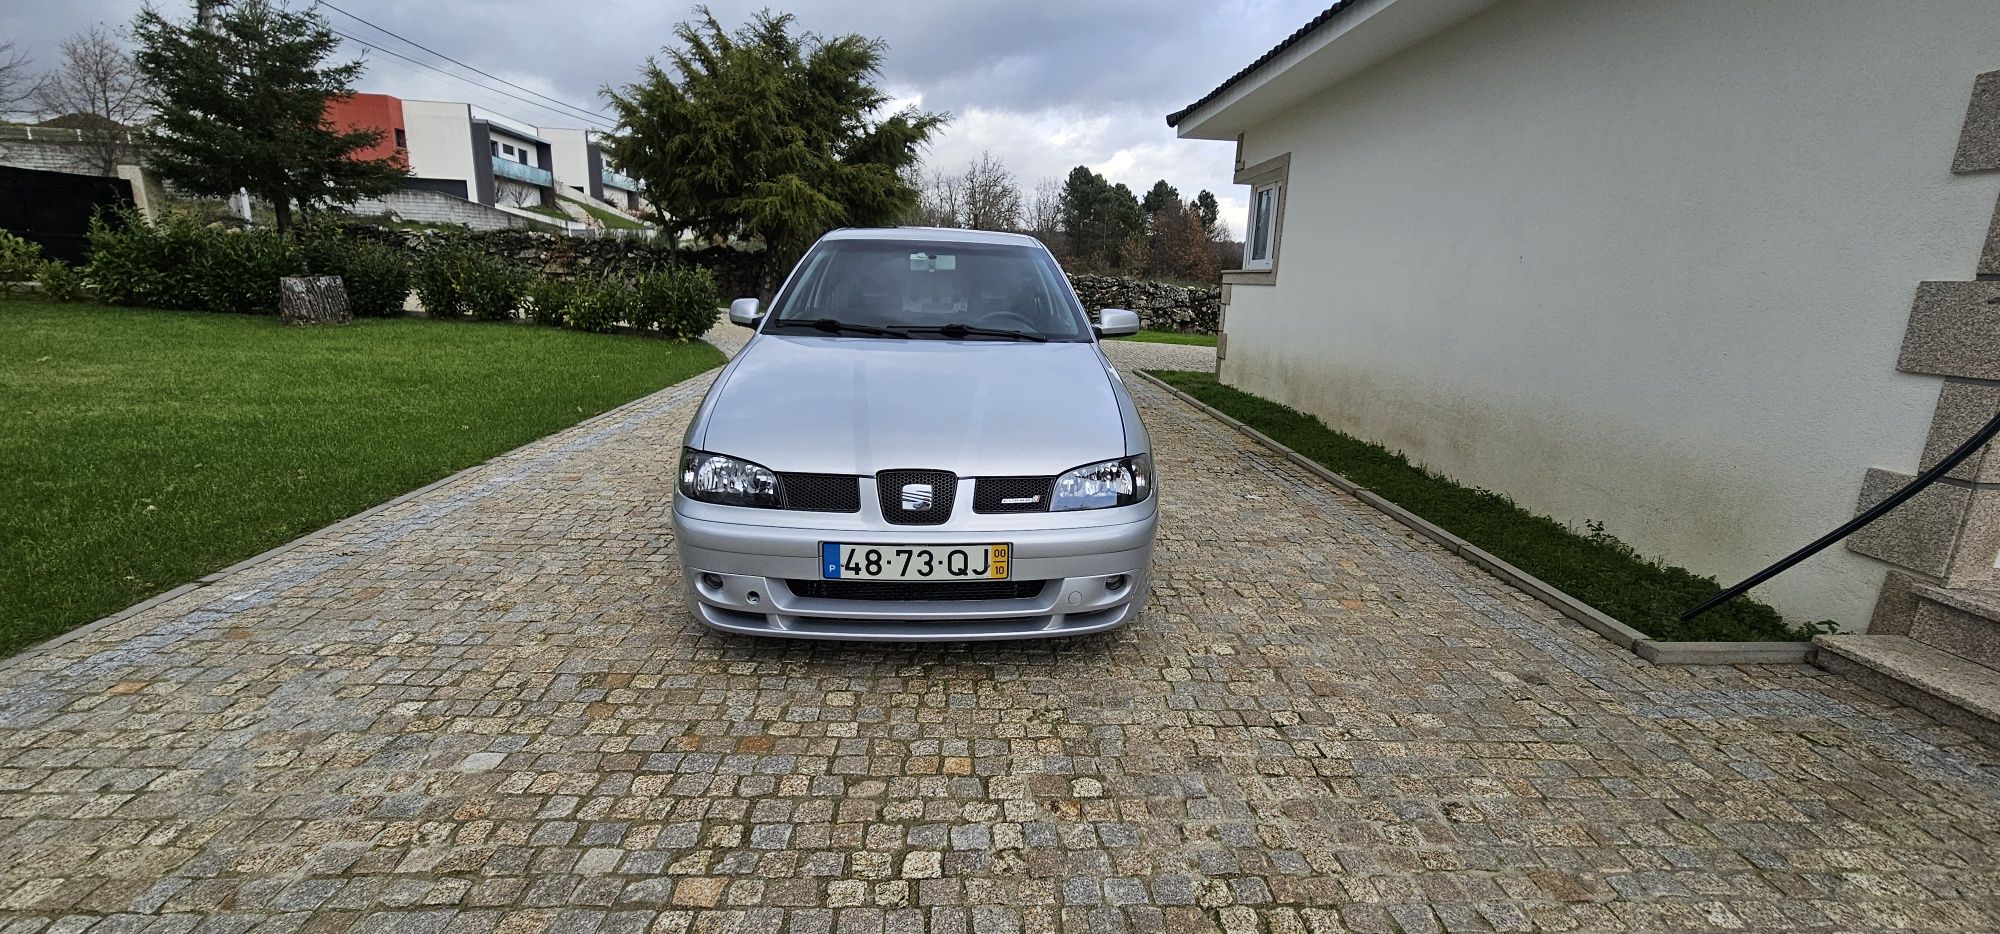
(1592, 566)
(142, 449)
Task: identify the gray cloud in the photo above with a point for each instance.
(1043, 84)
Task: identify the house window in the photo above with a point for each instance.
(506, 149)
(1262, 247)
(496, 147)
(523, 154)
(402, 139)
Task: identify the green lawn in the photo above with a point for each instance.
(142, 449)
(1171, 337)
(610, 220)
(1595, 568)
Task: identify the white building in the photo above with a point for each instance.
(1701, 271)
(582, 167)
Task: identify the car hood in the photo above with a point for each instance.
(857, 405)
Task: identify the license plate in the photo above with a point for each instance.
(913, 562)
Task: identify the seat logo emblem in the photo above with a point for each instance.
(917, 497)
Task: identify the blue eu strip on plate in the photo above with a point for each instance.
(829, 555)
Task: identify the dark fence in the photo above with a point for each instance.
(54, 208)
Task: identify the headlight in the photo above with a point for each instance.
(714, 478)
(1104, 485)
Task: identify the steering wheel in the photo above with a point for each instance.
(1024, 322)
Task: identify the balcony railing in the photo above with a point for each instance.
(519, 172)
(619, 180)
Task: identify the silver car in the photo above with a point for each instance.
(921, 442)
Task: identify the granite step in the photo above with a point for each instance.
(1951, 688)
(1964, 621)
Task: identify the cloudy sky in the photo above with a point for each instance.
(1043, 84)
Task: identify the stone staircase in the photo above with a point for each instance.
(1934, 640)
(1937, 650)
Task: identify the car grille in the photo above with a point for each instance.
(916, 590)
(943, 490)
(821, 492)
(990, 494)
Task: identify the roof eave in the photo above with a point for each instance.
(1358, 36)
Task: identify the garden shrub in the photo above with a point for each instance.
(679, 301)
(602, 305)
(550, 300)
(436, 275)
(454, 279)
(491, 288)
(376, 275)
(60, 281)
(178, 262)
(20, 259)
(239, 269)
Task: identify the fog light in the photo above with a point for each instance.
(1115, 583)
(712, 581)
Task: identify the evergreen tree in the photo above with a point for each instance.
(1159, 198)
(1099, 218)
(768, 135)
(242, 104)
(1210, 212)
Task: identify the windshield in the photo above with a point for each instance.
(920, 289)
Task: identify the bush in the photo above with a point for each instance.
(20, 260)
(550, 300)
(601, 305)
(178, 262)
(680, 302)
(376, 275)
(60, 281)
(492, 289)
(455, 279)
(239, 269)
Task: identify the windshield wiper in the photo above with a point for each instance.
(837, 326)
(968, 330)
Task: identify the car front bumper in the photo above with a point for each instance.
(754, 563)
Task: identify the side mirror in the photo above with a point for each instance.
(1117, 322)
(744, 311)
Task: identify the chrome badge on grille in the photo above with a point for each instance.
(917, 497)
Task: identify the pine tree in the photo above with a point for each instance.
(1099, 218)
(243, 105)
(768, 135)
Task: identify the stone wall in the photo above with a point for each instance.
(47, 149)
(1161, 306)
(435, 207)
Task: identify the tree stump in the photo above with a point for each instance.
(313, 300)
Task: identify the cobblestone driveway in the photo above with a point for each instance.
(482, 709)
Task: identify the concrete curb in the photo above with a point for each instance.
(19, 659)
(1625, 637)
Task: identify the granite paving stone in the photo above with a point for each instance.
(484, 709)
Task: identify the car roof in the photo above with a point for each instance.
(932, 235)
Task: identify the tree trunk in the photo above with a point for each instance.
(283, 208)
(313, 300)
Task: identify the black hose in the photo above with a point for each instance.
(1974, 443)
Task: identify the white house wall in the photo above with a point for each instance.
(1642, 263)
(440, 141)
(569, 150)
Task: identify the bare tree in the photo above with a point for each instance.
(98, 92)
(938, 198)
(1044, 209)
(16, 84)
(991, 198)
